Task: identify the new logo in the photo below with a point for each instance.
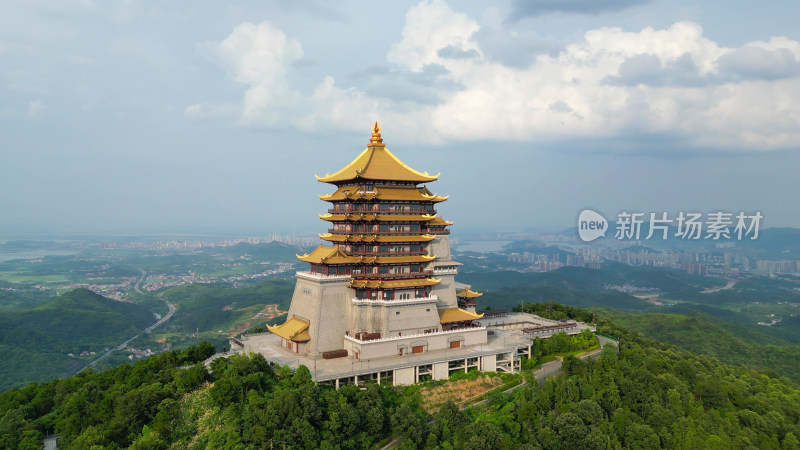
(591, 225)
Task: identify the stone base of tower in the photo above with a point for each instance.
(324, 301)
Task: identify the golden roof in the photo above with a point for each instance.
(466, 293)
(334, 255)
(328, 255)
(456, 315)
(293, 329)
(404, 259)
(438, 221)
(394, 284)
(376, 162)
(378, 217)
(411, 193)
(374, 238)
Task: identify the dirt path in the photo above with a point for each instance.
(730, 284)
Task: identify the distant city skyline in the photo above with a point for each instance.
(143, 117)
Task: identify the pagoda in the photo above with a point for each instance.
(467, 299)
(384, 282)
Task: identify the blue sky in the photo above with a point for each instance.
(135, 116)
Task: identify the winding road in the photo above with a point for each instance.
(168, 316)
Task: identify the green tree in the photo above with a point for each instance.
(406, 424)
(571, 430)
(640, 436)
(790, 442)
(301, 376)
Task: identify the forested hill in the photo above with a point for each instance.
(729, 342)
(671, 281)
(35, 342)
(648, 395)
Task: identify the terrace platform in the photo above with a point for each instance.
(508, 338)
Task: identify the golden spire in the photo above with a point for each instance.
(376, 135)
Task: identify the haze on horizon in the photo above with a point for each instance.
(137, 116)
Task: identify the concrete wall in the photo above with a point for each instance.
(326, 304)
(440, 247)
(441, 371)
(434, 341)
(410, 319)
(488, 363)
(405, 376)
(382, 317)
(446, 291)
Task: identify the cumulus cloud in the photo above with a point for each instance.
(609, 84)
(457, 53)
(432, 26)
(762, 61)
(428, 86)
(259, 56)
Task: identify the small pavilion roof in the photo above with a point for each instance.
(438, 221)
(328, 255)
(466, 293)
(294, 329)
(457, 315)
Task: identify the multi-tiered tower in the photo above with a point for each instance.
(386, 285)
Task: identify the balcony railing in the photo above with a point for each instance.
(422, 273)
(428, 299)
(381, 211)
(368, 232)
(388, 253)
(461, 327)
(410, 336)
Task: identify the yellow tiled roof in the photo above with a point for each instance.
(334, 255)
(394, 284)
(376, 162)
(404, 259)
(351, 192)
(438, 221)
(374, 238)
(466, 293)
(456, 315)
(293, 329)
(329, 255)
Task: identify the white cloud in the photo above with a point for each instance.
(35, 109)
(259, 56)
(430, 27)
(609, 84)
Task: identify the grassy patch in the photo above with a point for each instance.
(34, 278)
(459, 391)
